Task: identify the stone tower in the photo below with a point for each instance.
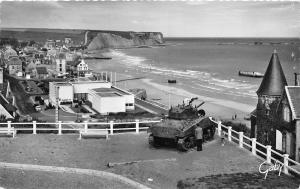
(269, 95)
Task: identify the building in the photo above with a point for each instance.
(15, 66)
(102, 96)
(111, 100)
(61, 92)
(41, 72)
(275, 121)
(61, 63)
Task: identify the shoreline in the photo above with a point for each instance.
(217, 108)
(214, 105)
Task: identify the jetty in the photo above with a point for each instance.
(251, 74)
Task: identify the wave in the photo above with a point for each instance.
(181, 92)
(208, 80)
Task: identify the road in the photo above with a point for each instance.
(155, 109)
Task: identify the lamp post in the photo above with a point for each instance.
(57, 104)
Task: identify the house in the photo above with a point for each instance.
(61, 63)
(79, 67)
(276, 119)
(41, 72)
(15, 66)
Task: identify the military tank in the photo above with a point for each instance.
(180, 125)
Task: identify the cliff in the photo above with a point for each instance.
(102, 40)
(92, 39)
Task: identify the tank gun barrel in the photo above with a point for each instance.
(191, 101)
(200, 104)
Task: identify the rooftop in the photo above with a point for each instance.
(293, 94)
(109, 94)
(15, 61)
(274, 79)
(62, 83)
(112, 89)
(41, 70)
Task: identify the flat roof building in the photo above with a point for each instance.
(103, 97)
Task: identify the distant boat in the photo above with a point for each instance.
(251, 74)
(171, 80)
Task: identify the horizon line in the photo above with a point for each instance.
(191, 37)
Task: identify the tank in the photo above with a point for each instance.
(179, 127)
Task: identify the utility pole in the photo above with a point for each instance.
(57, 104)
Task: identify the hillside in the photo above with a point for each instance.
(92, 39)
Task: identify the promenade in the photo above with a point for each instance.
(68, 151)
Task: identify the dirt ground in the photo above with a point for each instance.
(68, 151)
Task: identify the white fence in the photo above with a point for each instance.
(251, 144)
(59, 127)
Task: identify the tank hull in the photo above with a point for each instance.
(180, 131)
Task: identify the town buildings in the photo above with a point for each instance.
(61, 64)
(14, 66)
(276, 120)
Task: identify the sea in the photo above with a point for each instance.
(205, 66)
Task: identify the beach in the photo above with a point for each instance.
(170, 95)
(201, 68)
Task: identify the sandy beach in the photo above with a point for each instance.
(168, 94)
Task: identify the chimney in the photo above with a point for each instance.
(296, 79)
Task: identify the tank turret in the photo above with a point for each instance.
(186, 111)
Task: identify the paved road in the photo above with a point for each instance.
(150, 107)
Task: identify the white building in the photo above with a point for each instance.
(103, 97)
(111, 100)
(61, 90)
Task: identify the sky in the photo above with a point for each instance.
(173, 19)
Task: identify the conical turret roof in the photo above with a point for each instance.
(274, 80)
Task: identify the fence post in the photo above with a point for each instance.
(268, 158)
(253, 146)
(137, 126)
(85, 127)
(229, 134)
(34, 127)
(59, 127)
(285, 164)
(111, 125)
(219, 128)
(241, 139)
(8, 125)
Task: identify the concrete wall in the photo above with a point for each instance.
(65, 93)
(105, 105)
(112, 104)
(129, 98)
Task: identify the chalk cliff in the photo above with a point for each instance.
(101, 40)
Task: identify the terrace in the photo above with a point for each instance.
(160, 167)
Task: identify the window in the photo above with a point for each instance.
(60, 69)
(286, 114)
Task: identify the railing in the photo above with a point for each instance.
(257, 148)
(58, 127)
